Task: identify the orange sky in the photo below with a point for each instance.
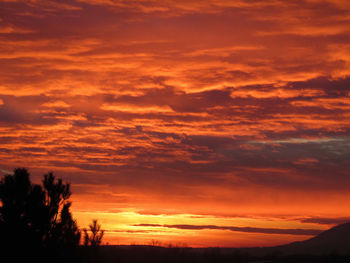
(206, 123)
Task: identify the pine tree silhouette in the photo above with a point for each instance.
(34, 217)
(95, 239)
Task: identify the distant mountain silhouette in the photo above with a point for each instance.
(334, 240)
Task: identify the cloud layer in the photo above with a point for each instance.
(207, 106)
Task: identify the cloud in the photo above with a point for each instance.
(240, 229)
(205, 100)
(326, 221)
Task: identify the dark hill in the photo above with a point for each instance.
(334, 240)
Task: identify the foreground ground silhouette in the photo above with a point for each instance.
(36, 224)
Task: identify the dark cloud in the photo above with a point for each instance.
(279, 231)
(333, 88)
(326, 221)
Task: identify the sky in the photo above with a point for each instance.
(199, 123)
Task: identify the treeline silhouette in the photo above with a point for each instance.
(36, 221)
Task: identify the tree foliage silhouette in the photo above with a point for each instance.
(95, 238)
(35, 216)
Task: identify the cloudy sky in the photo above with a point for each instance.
(206, 123)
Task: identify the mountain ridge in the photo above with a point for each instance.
(335, 240)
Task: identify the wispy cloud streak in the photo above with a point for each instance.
(241, 229)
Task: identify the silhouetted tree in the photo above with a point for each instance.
(36, 217)
(95, 239)
(63, 230)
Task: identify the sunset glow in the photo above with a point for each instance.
(199, 123)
